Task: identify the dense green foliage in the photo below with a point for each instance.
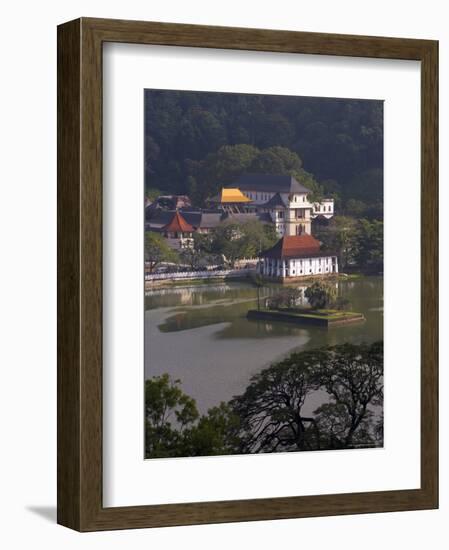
(173, 426)
(269, 416)
(197, 141)
(321, 295)
(157, 250)
(357, 242)
(286, 298)
(232, 241)
(229, 242)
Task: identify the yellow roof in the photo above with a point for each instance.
(233, 194)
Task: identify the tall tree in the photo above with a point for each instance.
(276, 160)
(221, 167)
(216, 433)
(321, 294)
(353, 377)
(275, 412)
(174, 427)
(157, 250)
(270, 409)
(236, 240)
(340, 239)
(368, 245)
(168, 411)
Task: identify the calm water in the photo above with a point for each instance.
(200, 335)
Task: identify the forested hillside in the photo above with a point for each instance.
(197, 141)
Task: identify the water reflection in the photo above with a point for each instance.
(200, 334)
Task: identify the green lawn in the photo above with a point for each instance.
(328, 314)
(316, 313)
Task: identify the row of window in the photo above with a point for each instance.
(258, 196)
(267, 196)
(320, 260)
(322, 208)
(323, 262)
(297, 197)
(271, 271)
(302, 272)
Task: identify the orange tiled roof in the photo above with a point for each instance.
(296, 246)
(232, 194)
(178, 224)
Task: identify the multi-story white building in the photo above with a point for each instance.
(296, 256)
(284, 199)
(273, 199)
(324, 208)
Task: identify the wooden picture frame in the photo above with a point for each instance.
(80, 504)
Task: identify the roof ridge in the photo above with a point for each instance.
(294, 245)
(178, 223)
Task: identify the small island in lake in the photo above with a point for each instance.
(319, 317)
(326, 309)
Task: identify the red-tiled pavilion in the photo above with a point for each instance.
(297, 256)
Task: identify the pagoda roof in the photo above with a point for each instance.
(274, 202)
(232, 195)
(296, 246)
(178, 224)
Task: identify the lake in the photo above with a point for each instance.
(200, 335)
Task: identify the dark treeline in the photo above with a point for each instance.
(270, 416)
(196, 141)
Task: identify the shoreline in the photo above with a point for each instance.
(167, 283)
(307, 318)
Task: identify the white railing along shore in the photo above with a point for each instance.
(199, 274)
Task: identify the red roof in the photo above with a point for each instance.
(177, 224)
(296, 246)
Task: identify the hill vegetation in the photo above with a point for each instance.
(197, 141)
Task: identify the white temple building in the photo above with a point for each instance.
(269, 198)
(296, 256)
(284, 199)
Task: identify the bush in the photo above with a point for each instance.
(286, 298)
(320, 295)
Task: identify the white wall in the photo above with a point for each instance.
(28, 273)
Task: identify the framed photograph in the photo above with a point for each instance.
(247, 274)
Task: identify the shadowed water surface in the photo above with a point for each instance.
(200, 335)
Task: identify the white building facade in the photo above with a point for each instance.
(297, 256)
(298, 267)
(285, 200)
(324, 208)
